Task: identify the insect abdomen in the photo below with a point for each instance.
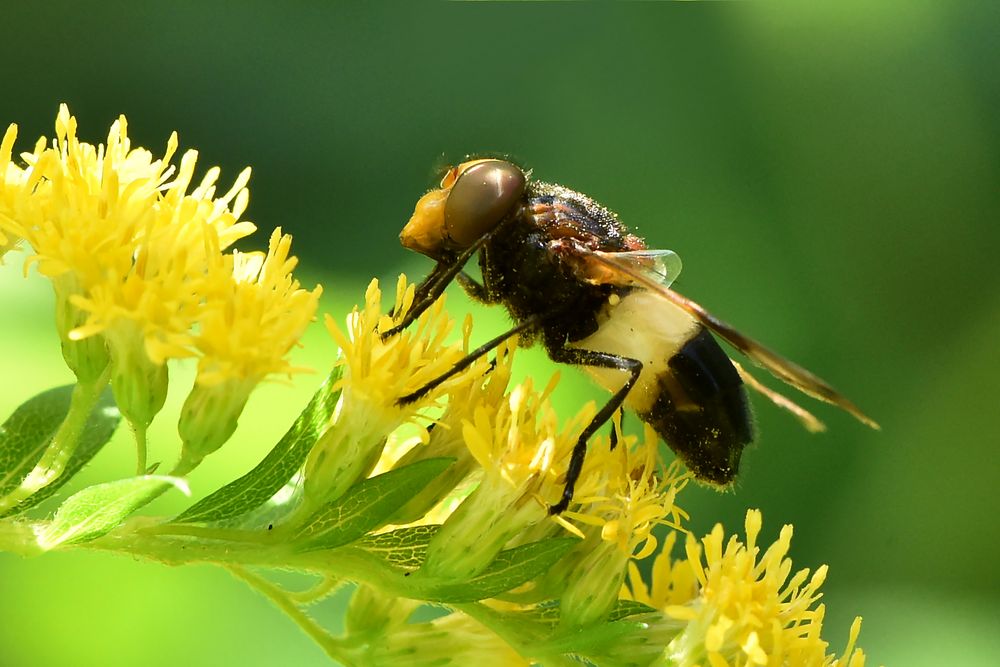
(701, 410)
(689, 390)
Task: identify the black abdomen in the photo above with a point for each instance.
(701, 410)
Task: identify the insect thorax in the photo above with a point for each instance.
(521, 270)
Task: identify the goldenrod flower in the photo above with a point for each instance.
(671, 582)
(852, 656)
(633, 495)
(523, 454)
(446, 440)
(123, 246)
(748, 611)
(626, 493)
(135, 251)
(12, 184)
(253, 314)
(256, 312)
(377, 374)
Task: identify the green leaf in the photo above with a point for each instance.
(510, 569)
(592, 638)
(404, 547)
(531, 626)
(282, 462)
(29, 430)
(98, 509)
(616, 642)
(368, 504)
(625, 608)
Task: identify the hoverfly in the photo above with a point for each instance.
(575, 279)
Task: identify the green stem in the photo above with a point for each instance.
(64, 443)
(346, 563)
(18, 537)
(210, 533)
(185, 464)
(330, 644)
(140, 448)
(317, 593)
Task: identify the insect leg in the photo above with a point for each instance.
(434, 285)
(571, 355)
(475, 291)
(421, 290)
(467, 361)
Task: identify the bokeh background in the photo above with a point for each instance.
(830, 176)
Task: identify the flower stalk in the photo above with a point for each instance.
(62, 446)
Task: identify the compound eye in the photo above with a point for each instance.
(480, 198)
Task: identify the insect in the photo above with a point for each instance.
(576, 280)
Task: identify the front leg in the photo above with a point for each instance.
(433, 285)
(572, 355)
(475, 291)
(467, 361)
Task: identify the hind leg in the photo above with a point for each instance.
(572, 355)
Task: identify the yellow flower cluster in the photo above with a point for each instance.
(378, 373)
(508, 441)
(724, 605)
(634, 494)
(519, 447)
(137, 252)
(739, 607)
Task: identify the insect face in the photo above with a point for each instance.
(473, 198)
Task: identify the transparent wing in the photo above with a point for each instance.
(785, 370)
(661, 266)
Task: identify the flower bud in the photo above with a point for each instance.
(209, 417)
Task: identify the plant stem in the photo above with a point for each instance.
(184, 465)
(64, 443)
(210, 533)
(248, 550)
(316, 593)
(330, 644)
(140, 448)
(18, 537)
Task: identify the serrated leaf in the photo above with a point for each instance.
(282, 462)
(98, 509)
(403, 547)
(29, 430)
(509, 569)
(368, 504)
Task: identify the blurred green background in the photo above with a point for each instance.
(830, 176)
